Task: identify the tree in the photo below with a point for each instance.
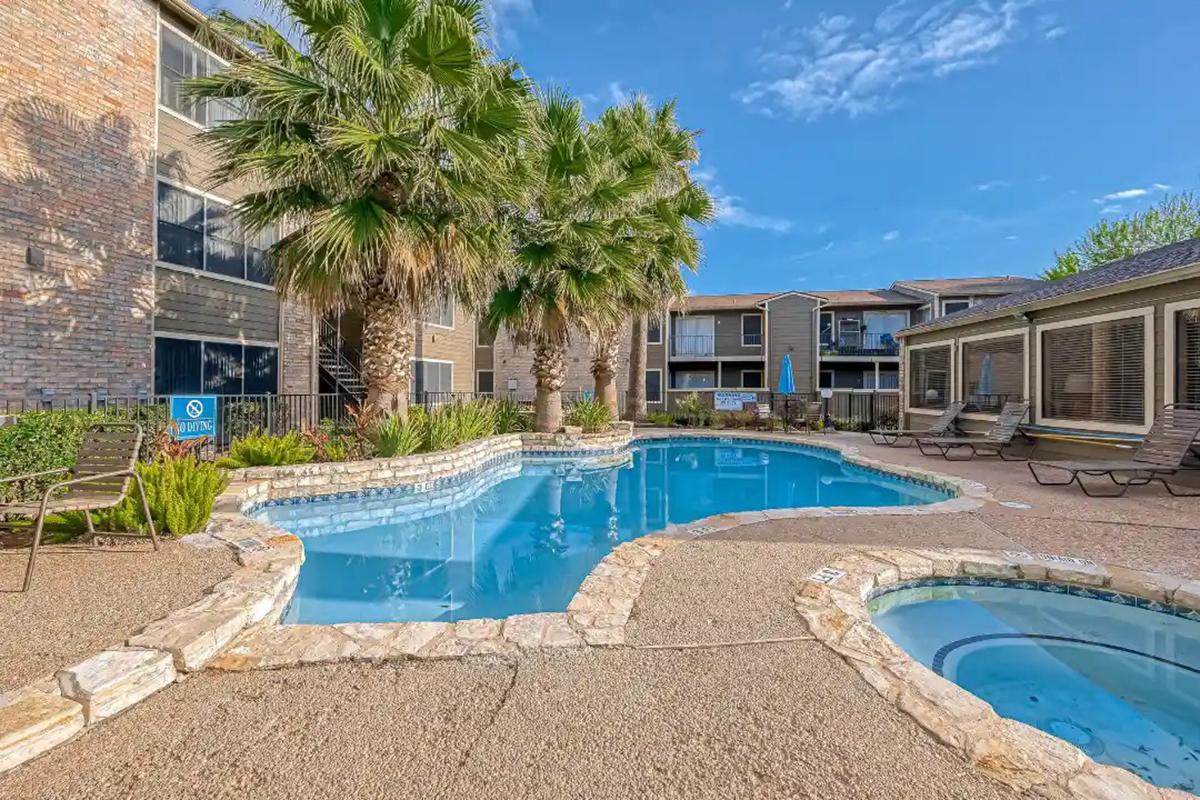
(1172, 220)
(385, 145)
(659, 227)
(575, 263)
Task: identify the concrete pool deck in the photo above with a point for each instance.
(718, 692)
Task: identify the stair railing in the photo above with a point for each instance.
(332, 348)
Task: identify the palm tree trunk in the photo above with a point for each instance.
(550, 373)
(605, 348)
(387, 349)
(635, 398)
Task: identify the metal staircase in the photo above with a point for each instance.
(333, 358)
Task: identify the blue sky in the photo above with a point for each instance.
(854, 142)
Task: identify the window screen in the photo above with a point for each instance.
(176, 366)
(993, 373)
(223, 245)
(485, 381)
(257, 267)
(653, 386)
(432, 377)
(441, 314)
(1187, 357)
(261, 370)
(1095, 373)
(222, 368)
(929, 377)
(653, 329)
(180, 227)
(179, 60)
(752, 329)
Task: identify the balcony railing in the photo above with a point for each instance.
(751, 339)
(863, 344)
(693, 345)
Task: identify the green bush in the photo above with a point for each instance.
(392, 437)
(510, 418)
(179, 491)
(259, 449)
(593, 415)
(661, 419)
(39, 441)
(693, 412)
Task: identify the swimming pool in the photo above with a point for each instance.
(1117, 676)
(520, 535)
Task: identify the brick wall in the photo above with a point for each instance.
(515, 362)
(297, 339)
(77, 109)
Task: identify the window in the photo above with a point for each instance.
(929, 377)
(693, 379)
(752, 379)
(951, 306)
(186, 366)
(180, 59)
(433, 377)
(440, 314)
(201, 232)
(825, 380)
(1095, 373)
(654, 386)
(485, 381)
(483, 336)
(888, 379)
(1187, 356)
(993, 373)
(752, 325)
(654, 329)
(849, 333)
(826, 327)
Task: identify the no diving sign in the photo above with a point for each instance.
(195, 416)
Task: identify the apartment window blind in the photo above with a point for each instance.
(993, 373)
(185, 366)
(1187, 357)
(433, 377)
(929, 377)
(202, 233)
(180, 60)
(1096, 372)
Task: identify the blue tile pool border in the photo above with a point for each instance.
(1052, 587)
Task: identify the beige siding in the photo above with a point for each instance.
(200, 305)
(181, 158)
(455, 344)
(791, 331)
(1155, 297)
(727, 333)
(511, 361)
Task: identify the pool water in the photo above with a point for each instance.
(1120, 682)
(520, 537)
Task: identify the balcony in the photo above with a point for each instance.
(693, 346)
(862, 344)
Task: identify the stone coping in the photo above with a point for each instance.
(235, 626)
(1016, 754)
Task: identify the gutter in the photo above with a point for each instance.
(1131, 284)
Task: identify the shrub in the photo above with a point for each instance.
(692, 411)
(734, 419)
(259, 449)
(593, 415)
(330, 444)
(179, 491)
(510, 418)
(392, 437)
(473, 420)
(661, 419)
(38, 441)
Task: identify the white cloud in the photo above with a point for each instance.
(1132, 194)
(987, 186)
(730, 209)
(1012, 237)
(814, 252)
(836, 66)
(1057, 32)
(500, 14)
(891, 236)
(617, 93)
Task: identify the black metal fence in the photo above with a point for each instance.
(855, 411)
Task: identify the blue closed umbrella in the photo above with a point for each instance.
(787, 381)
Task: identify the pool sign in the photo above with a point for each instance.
(195, 416)
(733, 401)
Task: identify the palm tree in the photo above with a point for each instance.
(384, 143)
(660, 229)
(575, 263)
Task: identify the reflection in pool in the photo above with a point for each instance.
(520, 538)
(1119, 681)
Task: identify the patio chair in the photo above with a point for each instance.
(104, 463)
(943, 425)
(813, 417)
(1162, 454)
(998, 441)
(763, 416)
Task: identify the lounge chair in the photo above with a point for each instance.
(998, 441)
(763, 417)
(814, 417)
(1163, 453)
(104, 464)
(942, 425)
